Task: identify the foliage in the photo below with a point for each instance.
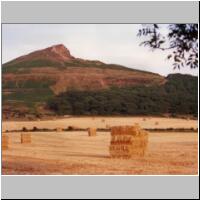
(177, 96)
(25, 66)
(27, 84)
(28, 97)
(181, 39)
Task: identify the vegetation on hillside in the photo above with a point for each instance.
(28, 84)
(26, 66)
(29, 93)
(179, 95)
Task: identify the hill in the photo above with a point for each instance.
(39, 83)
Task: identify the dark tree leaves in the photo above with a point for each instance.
(182, 39)
(177, 96)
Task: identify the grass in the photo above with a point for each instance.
(28, 84)
(25, 66)
(28, 92)
(29, 98)
(11, 67)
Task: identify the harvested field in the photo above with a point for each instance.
(5, 142)
(25, 138)
(102, 122)
(74, 153)
(58, 129)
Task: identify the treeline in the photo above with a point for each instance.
(179, 95)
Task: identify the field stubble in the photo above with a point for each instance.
(75, 153)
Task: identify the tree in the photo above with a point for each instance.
(181, 40)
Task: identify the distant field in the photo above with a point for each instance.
(76, 153)
(102, 122)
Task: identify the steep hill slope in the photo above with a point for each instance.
(62, 71)
(30, 81)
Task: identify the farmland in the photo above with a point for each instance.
(74, 153)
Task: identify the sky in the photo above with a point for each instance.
(109, 43)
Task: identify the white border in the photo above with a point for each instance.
(119, 174)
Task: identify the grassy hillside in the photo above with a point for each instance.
(23, 86)
(26, 66)
(27, 94)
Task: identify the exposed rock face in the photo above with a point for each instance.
(59, 52)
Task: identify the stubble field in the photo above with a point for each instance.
(73, 152)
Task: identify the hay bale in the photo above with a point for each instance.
(118, 139)
(25, 138)
(125, 130)
(126, 151)
(107, 126)
(91, 131)
(5, 142)
(114, 130)
(58, 129)
(128, 141)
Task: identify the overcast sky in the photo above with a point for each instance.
(109, 43)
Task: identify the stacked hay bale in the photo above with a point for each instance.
(25, 138)
(5, 142)
(128, 141)
(91, 131)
